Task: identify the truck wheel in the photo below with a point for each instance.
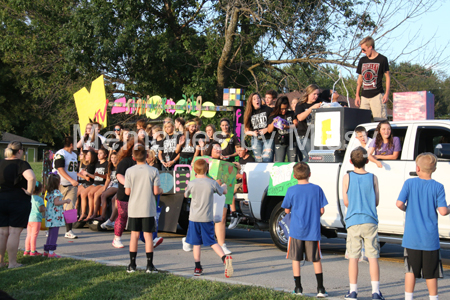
(277, 234)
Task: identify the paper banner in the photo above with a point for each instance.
(281, 178)
(92, 105)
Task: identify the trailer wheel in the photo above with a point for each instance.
(276, 232)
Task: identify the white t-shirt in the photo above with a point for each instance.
(68, 161)
(358, 143)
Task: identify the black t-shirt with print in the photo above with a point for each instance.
(302, 126)
(122, 167)
(91, 170)
(259, 119)
(169, 144)
(372, 71)
(228, 145)
(101, 169)
(290, 117)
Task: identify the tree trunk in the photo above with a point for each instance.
(222, 72)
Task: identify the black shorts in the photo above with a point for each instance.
(142, 224)
(299, 250)
(14, 213)
(424, 264)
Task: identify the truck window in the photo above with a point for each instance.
(428, 137)
(399, 132)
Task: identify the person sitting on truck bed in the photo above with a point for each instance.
(244, 158)
(384, 146)
(362, 139)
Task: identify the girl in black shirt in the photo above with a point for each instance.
(186, 146)
(255, 124)
(99, 176)
(303, 111)
(228, 141)
(285, 142)
(168, 155)
(91, 160)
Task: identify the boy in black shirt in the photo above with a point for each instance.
(371, 69)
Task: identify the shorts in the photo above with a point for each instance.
(376, 105)
(296, 249)
(141, 224)
(201, 233)
(366, 232)
(424, 264)
(69, 193)
(14, 213)
(238, 188)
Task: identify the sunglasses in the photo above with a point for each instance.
(116, 129)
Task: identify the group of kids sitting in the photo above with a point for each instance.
(420, 198)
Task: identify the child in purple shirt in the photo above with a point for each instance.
(384, 145)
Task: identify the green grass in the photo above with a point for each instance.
(37, 168)
(65, 278)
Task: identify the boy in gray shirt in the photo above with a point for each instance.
(201, 224)
(142, 184)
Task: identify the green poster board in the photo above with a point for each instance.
(221, 170)
(281, 178)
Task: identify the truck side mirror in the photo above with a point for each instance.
(442, 151)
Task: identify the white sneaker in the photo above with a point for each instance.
(186, 247)
(107, 225)
(234, 221)
(70, 235)
(117, 243)
(225, 249)
(157, 241)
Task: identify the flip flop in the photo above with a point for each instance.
(81, 218)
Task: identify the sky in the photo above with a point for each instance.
(434, 22)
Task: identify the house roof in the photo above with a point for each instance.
(9, 137)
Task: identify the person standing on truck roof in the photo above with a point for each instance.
(303, 111)
(284, 141)
(306, 203)
(384, 146)
(361, 197)
(255, 123)
(371, 69)
(420, 197)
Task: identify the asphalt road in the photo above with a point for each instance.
(256, 262)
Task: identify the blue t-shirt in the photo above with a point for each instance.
(422, 198)
(305, 202)
(361, 200)
(35, 215)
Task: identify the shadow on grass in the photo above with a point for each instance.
(44, 278)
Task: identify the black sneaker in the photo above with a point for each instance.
(131, 269)
(298, 291)
(321, 293)
(151, 269)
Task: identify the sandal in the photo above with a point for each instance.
(80, 219)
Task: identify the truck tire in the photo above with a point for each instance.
(277, 234)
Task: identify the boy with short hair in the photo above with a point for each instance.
(420, 197)
(361, 197)
(201, 222)
(362, 138)
(305, 201)
(141, 124)
(142, 184)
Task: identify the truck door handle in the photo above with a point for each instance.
(413, 174)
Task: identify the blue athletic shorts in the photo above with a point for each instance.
(201, 233)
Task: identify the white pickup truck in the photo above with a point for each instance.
(261, 204)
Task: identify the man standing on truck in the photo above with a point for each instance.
(371, 69)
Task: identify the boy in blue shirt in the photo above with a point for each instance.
(305, 201)
(420, 197)
(361, 197)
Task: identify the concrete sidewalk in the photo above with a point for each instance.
(256, 262)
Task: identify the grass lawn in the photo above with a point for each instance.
(37, 168)
(65, 278)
